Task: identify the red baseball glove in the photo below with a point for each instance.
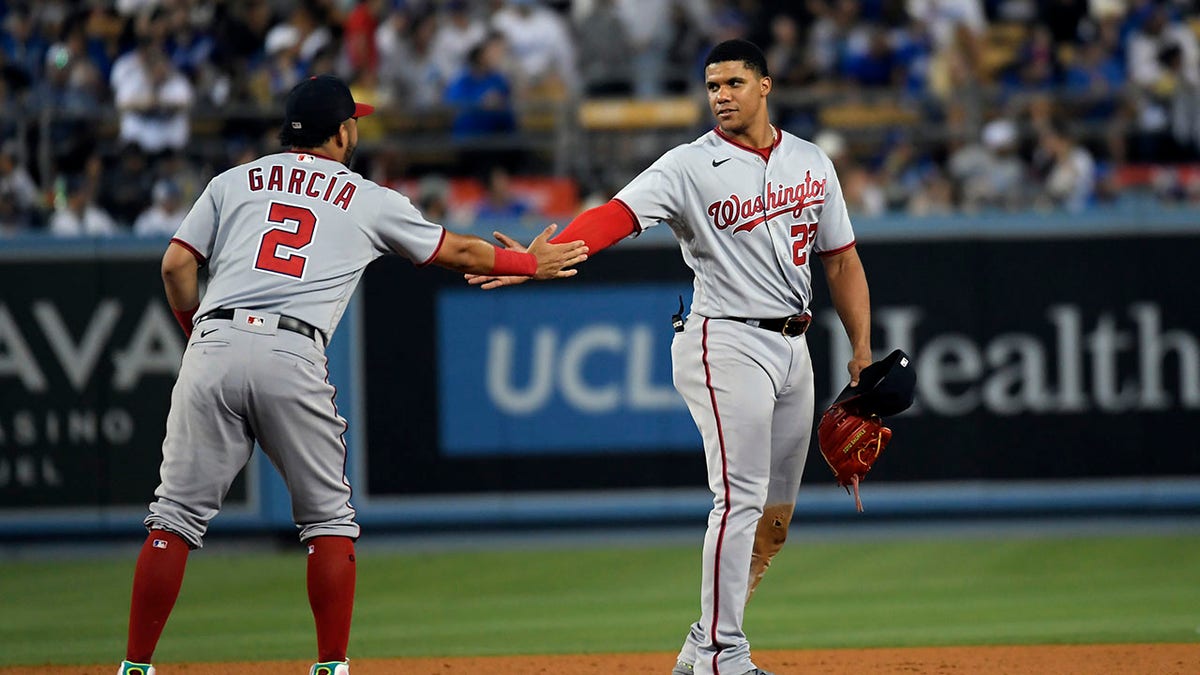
(851, 443)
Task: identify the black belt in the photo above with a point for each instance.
(790, 326)
(285, 322)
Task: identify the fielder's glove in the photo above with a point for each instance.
(851, 434)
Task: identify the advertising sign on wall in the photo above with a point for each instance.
(564, 370)
(89, 351)
(1036, 359)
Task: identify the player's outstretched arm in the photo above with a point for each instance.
(538, 247)
(542, 260)
(599, 227)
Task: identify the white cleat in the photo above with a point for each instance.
(330, 668)
(131, 668)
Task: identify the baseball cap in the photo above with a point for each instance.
(320, 104)
(885, 387)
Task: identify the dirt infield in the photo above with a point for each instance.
(1130, 659)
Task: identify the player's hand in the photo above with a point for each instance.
(554, 260)
(856, 365)
(488, 282)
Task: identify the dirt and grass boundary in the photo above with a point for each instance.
(1110, 659)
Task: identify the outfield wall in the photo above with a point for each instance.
(1058, 370)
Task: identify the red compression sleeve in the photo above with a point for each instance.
(514, 263)
(600, 227)
(184, 317)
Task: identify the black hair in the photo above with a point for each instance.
(295, 138)
(475, 56)
(739, 50)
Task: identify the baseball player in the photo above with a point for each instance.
(285, 239)
(751, 206)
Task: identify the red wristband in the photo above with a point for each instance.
(514, 263)
(184, 317)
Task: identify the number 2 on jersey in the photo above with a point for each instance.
(288, 263)
(802, 233)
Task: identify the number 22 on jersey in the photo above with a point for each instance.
(287, 261)
(802, 233)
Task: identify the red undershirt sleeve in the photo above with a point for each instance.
(600, 227)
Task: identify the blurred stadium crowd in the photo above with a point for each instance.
(116, 112)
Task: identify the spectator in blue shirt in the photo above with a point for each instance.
(189, 44)
(481, 94)
(23, 47)
(872, 64)
(1096, 79)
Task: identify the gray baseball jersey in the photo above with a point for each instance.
(748, 223)
(286, 238)
(295, 233)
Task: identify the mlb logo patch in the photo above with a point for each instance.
(159, 543)
(304, 158)
(311, 549)
(255, 320)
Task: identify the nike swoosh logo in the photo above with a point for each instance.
(206, 332)
(716, 163)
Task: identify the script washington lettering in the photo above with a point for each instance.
(780, 200)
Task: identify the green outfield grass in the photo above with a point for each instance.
(829, 594)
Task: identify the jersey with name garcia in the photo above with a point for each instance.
(748, 225)
(291, 233)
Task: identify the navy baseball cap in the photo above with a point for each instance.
(885, 387)
(319, 104)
